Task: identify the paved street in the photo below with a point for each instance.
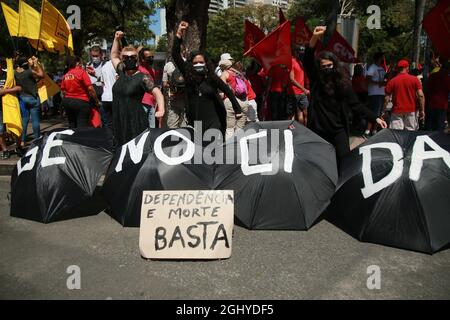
(323, 263)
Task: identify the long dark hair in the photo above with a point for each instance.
(71, 62)
(336, 82)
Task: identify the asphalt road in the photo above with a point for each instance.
(323, 263)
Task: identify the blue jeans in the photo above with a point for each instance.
(150, 111)
(31, 107)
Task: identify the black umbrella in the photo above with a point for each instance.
(57, 178)
(137, 167)
(395, 191)
(290, 189)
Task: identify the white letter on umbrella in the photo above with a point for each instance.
(245, 167)
(419, 154)
(51, 143)
(136, 151)
(30, 165)
(173, 161)
(371, 188)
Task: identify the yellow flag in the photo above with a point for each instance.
(11, 107)
(54, 24)
(12, 20)
(29, 21)
(47, 88)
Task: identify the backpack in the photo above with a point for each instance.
(241, 91)
(177, 82)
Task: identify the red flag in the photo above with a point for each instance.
(437, 25)
(281, 16)
(341, 48)
(302, 34)
(274, 49)
(252, 35)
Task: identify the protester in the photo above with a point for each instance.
(236, 81)
(28, 73)
(376, 84)
(438, 92)
(77, 90)
(258, 85)
(360, 87)
(332, 98)
(4, 152)
(297, 93)
(94, 69)
(152, 109)
(279, 82)
(202, 85)
(224, 56)
(109, 76)
(129, 117)
(175, 87)
(405, 90)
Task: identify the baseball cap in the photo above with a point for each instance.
(225, 63)
(226, 56)
(403, 63)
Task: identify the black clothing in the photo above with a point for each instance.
(332, 114)
(129, 118)
(27, 82)
(78, 112)
(204, 103)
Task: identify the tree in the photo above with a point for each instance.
(98, 19)
(163, 44)
(226, 28)
(194, 12)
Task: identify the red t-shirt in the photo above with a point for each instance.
(251, 94)
(75, 84)
(231, 80)
(299, 76)
(403, 88)
(257, 82)
(148, 98)
(439, 89)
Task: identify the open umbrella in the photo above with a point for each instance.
(395, 191)
(57, 178)
(286, 176)
(153, 161)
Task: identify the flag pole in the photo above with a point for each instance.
(40, 28)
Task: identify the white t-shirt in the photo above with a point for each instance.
(377, 73)
(97, 80)
(109, 79)
(169, 68)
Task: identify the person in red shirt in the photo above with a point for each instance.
(279, 82)
(297, 93)
(405, 90)
(439, 90)
(152, 108)
(258, 85)
(77, 88)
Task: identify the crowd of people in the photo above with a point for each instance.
(317, 91)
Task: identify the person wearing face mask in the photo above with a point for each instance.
(77, 89)
(153, 110)
(129, 117)
(202, 85)
(332, 98)
(94, 69)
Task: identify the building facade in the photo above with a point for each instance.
(217, 5)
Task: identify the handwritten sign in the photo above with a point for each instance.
(186, 224)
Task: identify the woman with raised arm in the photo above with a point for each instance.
(129, 118)
(202, 85)
(332, 98)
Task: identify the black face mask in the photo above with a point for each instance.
(130, 64)
(328, 71)
(149, 61)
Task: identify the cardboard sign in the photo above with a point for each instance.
(186, 224)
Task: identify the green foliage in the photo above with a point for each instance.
(226, 28)
(163, 44)
(397, 22)
(98, 18)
